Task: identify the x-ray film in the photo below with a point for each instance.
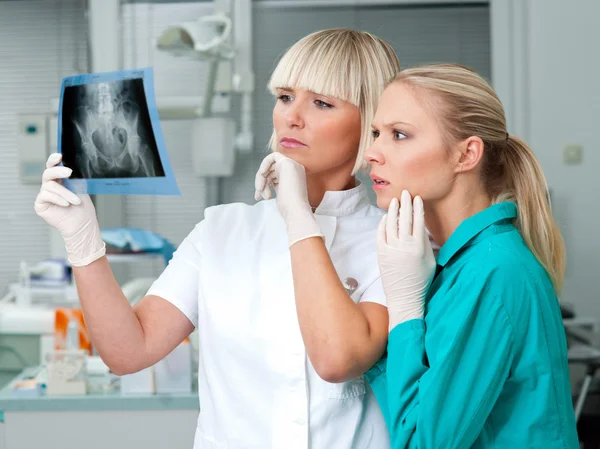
(109, 134)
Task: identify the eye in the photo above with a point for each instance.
(285, 98)
(375, 134)
(321, 104)
(399, 135)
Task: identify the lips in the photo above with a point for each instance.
(379, 181)
(290, 142)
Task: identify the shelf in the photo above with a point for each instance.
(132, 258)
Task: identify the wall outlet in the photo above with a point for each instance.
(573, 154)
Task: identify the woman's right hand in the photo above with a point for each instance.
(74, 216)
(406, 260)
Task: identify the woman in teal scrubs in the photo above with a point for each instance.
(477, 354)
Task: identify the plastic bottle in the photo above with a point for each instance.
(72, 339)
(24, 292)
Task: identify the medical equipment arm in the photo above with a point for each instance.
(444, 399)
(343, 339)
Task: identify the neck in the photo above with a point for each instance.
(442, 217)
(319, 183)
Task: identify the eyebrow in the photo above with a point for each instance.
(392, 124)
(291, 90)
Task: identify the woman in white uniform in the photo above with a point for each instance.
(287, 324)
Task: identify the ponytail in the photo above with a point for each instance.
(525, 184)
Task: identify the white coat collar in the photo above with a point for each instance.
(343, 202)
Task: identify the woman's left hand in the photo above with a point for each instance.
(288, 178)
(406, 260)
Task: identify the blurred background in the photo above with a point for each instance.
(540, 55)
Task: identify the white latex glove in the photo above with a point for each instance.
(406, 260)
(74, 216)
(288, 178)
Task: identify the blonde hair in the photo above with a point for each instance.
(350, 65)
(468, 106)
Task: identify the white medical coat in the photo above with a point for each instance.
(232, 278)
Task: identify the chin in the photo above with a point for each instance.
(292, 154)
(383, 201)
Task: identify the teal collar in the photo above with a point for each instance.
(473, 226)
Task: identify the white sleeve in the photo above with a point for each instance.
(179, 283)
(374, 293)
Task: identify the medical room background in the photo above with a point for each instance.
(541, 56)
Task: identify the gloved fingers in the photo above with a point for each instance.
(265, 171)
(62, 191)
(54, 173)
(275, 185)
(260, 180)
(381, 237)
(265, 190)
(53, 159)
(259, 185)
(405, 223)
(46, 197)
(391, 229)
(418, 231)
(267, 194)
(262, 194)
(266, 165)
(272, 185)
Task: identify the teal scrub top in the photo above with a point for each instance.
(487, 366)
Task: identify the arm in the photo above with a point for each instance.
(447, 403)
(128, 339)
(132, 338)
(343, 339)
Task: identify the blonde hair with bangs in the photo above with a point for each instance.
(351, 65)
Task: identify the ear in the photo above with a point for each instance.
(470, 154)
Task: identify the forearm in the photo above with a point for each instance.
(405, 368)
(467, 375)
(338, 338)
(114, 328)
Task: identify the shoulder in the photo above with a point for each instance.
(504, 256)
(238, 221)
(238, 216)
(224, 212)
(505, 269)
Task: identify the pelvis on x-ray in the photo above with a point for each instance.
(107, 121)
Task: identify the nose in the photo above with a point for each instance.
(373, 155)
(294, 117)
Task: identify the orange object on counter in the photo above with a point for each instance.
(61, 324)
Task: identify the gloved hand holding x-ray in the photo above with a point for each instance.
(110, 135)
